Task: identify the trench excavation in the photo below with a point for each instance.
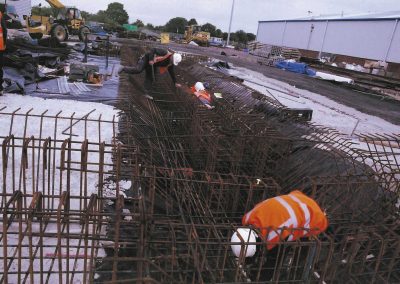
(161, 200)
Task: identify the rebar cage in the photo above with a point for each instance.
(157, 194)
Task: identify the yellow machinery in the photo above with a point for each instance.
(194, 33)
(68, 21)
(164, 38)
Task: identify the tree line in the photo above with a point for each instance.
(115, 16)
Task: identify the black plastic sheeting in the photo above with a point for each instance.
(21, 74)
(22, 58)
(106, 94)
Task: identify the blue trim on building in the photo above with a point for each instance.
(332, 20)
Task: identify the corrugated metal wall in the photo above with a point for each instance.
(23, 7)
(363, 38)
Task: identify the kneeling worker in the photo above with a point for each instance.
(300, 215)
(157, 59)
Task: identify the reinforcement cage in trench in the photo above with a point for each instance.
(158, 197)
(113, 238)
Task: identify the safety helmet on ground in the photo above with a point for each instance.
(199, 86)
(247, 236)
(176, 58)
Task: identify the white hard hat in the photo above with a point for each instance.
(248, 236)
(176, 58)
(199, 86)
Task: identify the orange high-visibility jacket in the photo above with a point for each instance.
(201, 94)
(158, 59)
(162, 58)
(2, 39)
(295, 210)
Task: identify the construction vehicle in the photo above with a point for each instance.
(194, 33)
(68, 21)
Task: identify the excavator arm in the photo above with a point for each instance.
(55, 4)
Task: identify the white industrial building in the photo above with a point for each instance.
(375, 37)
(21, 7)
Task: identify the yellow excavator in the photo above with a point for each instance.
(194, 33)
(68, 21)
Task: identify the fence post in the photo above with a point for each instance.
(86, 48)
(107, 50)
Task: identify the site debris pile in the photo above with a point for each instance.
(176, 179)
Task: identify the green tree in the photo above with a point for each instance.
(176, 25)
(192, 22)
(218, 33)
(88, 16)
(102, 17)
(150, 26)
(138, 23)
(44, 11)
(209, 28)
(233, 37)
(251, 36)
(116, 12)
(241, 36)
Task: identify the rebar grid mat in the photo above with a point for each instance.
(44, 245)
(146, 238)
(386, 151)
(217, 138)
(363, 199)
(237, 115)
(347, 158)
(27, 122)
(67, 246)
(52, 153)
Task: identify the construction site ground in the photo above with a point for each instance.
(387, 109)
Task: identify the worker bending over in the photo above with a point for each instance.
(293, 211)
(157, 59)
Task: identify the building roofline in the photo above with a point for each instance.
(332, 20)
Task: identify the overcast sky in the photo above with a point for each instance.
(247, 12)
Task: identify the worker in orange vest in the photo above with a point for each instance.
(3, 42)
(199, 90)
(157, 59)
(282, 218)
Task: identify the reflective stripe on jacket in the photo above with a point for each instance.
(293, 211)
(158, 59)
